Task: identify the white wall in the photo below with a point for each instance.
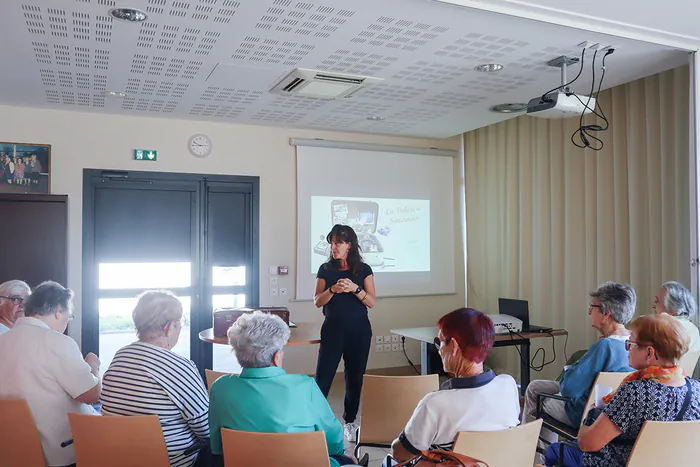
(84, 140)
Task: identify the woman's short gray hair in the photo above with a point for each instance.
(14, 287)
(154, 310)
(678, 300)
(257, 337)
(619, 299)
(47, 298)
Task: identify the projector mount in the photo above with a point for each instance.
(563, 62)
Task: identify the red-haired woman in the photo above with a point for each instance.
(474, 400)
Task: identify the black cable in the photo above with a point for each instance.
(531, 363)
(585, 132)
(403, 344)
(563, 86)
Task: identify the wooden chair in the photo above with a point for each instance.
(118, 441)
(688, 362)
(611, 379)
(245, 449)
(387, 404)
(666, 443)
(20, 445)
(213, 376)
(514, 447)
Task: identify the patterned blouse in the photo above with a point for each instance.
(634, 403)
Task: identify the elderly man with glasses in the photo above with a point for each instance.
(12, 297)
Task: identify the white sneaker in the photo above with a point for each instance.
(351, 432)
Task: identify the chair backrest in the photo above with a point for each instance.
(388, 403)
(610, 379)
(213, 376)
(246, 449)
(688, 362)
(118, 441)
(514, 447)
(666, 443)
(20, 445)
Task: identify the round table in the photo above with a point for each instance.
(303, 334)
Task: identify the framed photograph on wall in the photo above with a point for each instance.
(25, 168)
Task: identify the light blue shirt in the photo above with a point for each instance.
(268, 400)
(608, 354)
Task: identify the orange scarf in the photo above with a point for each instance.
(660, 374)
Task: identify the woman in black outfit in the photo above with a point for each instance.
(345, 289)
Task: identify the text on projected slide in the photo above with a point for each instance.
(394, 234)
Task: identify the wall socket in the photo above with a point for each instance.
(387, 338)
(380, 348)
(273, 280)
(394, 347)
(395, 338)
(378, 339)
(273, 291)
(283, 291)
(387, 347)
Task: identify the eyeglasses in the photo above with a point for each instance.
(438, 343)
(591, 307)
(629, 343)
(15, 299)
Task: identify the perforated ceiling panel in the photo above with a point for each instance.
(218, 59)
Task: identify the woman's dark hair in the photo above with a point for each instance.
(345, 233)
(473, 331)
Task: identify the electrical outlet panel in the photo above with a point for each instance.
(395, 338)
(380, 348)
(394, 347)
(387, 347)
(379, 339)
(273, 291)
(387, 338)
(283, 291)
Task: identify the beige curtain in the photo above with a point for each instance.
(547, 222)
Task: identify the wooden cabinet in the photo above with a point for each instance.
(34, 238)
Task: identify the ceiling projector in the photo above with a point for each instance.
(560, 105)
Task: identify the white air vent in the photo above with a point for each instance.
(318, 84)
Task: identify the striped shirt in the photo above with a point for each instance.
(144, 379)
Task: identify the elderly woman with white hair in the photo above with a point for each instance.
(12, 297)
(673, 298)
(264, 398)
(147, 378)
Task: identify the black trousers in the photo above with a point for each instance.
(351, 341)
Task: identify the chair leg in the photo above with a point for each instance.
(356, 451)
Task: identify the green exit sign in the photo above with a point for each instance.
(145, 155)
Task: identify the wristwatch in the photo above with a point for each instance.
(330, 289)
(358, 290)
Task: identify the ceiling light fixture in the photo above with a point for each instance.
(118, 94)
(128, 14)
(509, 108)
(376, 118)
(489, 67)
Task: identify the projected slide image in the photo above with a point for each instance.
(394, 234)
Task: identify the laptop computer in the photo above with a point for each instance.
(519, 309)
